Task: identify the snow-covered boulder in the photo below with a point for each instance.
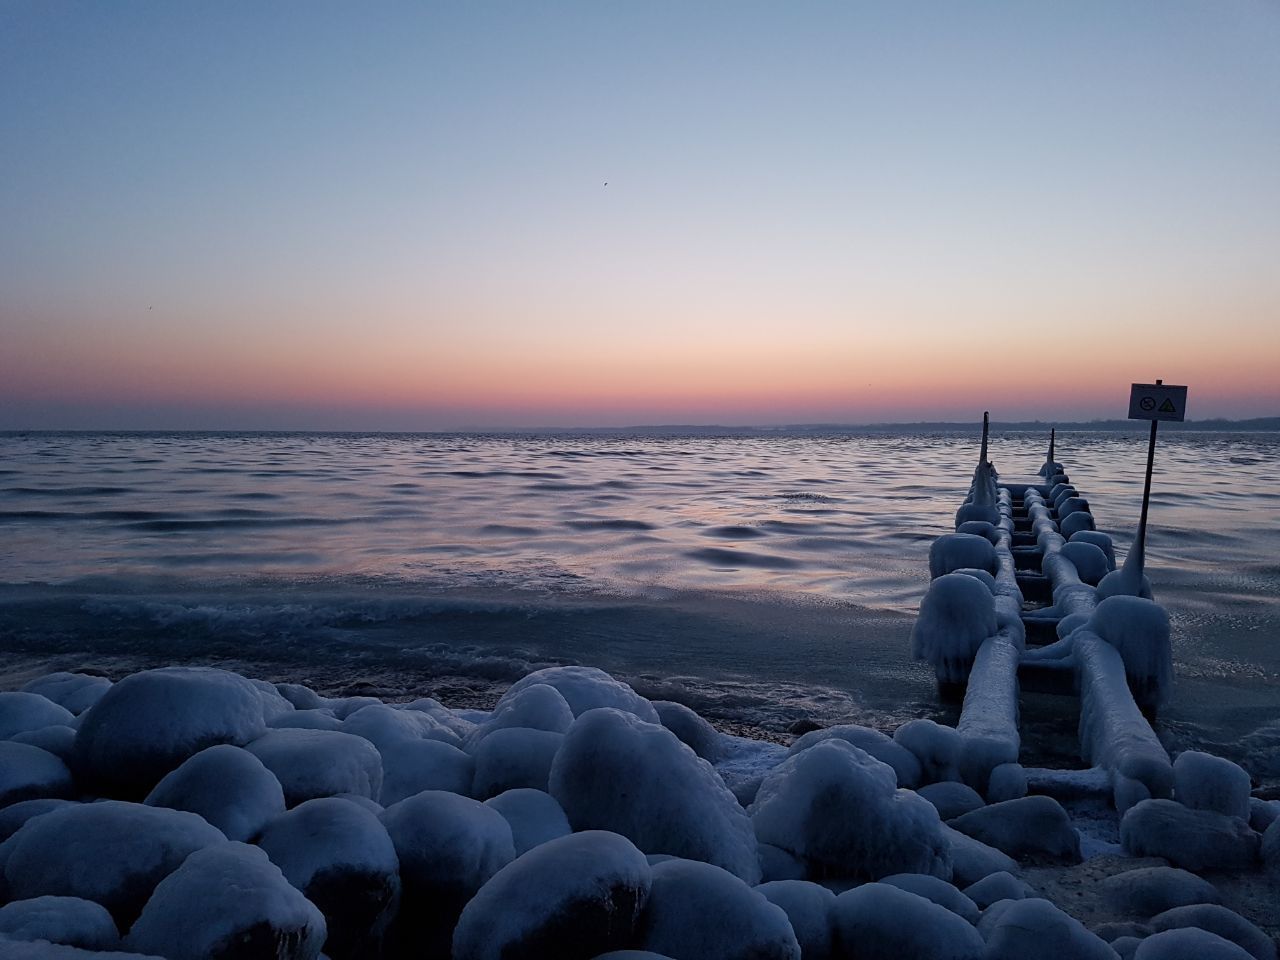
(514, 757)
(1097, 539)
(952, 551)
(302, 697)
(1030, 826)
(453, 720)
(1075, 523)
(573, 896)
(15, 815)
(59, 740)
(1205, 782)
(1263, 813)
(1089, 560)
(342, 859)
(956, 616)
(535, 707)
(585, 688)
(343, 707)
(951, 799)
(20, 712)
(1147, 891)
(112, 852)
(1008, 781)
(1192, 839)
(29, 773)
(1018, 929)
(882, 922)
(226, 785)
(1271, 849)
(808, 907)
(382, 725)
(995, 887)
(905, 766)
(778, 864)
(150, 722)
(981, 528)
(617, 772)
(697, 911)
(935, 747)
(939, 891)
(412, 766)
(971, 859)
(75, 692)
(449, 846)
(306, 720)
(1139, 629)
(534, 817)
(694, 732)
(1225, 923)
(43, 950)
(66, 920)
(838, 809)
(228, 901)
(1189, 943)
(274, 704)
(319, 763)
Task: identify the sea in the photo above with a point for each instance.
(770, 582)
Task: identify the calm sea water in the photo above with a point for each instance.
(759, 580)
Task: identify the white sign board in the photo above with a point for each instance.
(1157, 401)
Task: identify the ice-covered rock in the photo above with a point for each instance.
(1147, 891)
(1077, 522)
(951, 799)
(343, 707)
(534, 817)
(58, 740)
(882, 922)
(75, 692)
(981, 528)
(952, 551)
(905, 766)
(995, 887)
(1189, 943)
(1263, 813)
(411, 766)
(694, 732)
(808, 907)
(302, 697)
(454, 720)
(514, 757)
(29, 773)
(935, 746)
(778, 864)
(1008, 781)
(573, 896)
(449, 846)
(586, 688)
(1139, 629)
(632, 955)
(1066, 506)
(1205, 782)
(617, 772)
(384, 726)
(535, 707)
(697, 911)
(15, 815)
(956, 616)
(150, 722)
(274, 704)
(1115, 929)
(21, 711)
(1225, 923)
(228, 786)
(1192, 839)
(66, 920)
(319, 763)
(1090, 562)
(1018, 929)
(111, 852)
(1030, 826)
(306, 720)
(228, 901)
(1100, 540)
(1270, 848)
(838, 809)
(43, 950)
(971, 859)
(939, 891)
(342, 859)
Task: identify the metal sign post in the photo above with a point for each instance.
(1155, 402)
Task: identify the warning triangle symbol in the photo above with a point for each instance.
(1167, 406)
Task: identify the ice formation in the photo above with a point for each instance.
(1225, 923)
(20, 712)
(838, 809)
(956, 551)
(883, 922)
(534, 817)
(411, 766)
(950, 798)
(906, 767)
(956, 616)
(1028, 826)
(939, 891)
(616, 772)
(1189, 943)
(694, 732)
(808, 908)
(1205, 782)
(227, 786)
(935, 747)
(319, 763)
(1148, 891)
(514, 757)
(1192, 839)
(75, 692)
(27, 772)
(65, 920)
(586, 688)
(536, 707)
(1018, 929)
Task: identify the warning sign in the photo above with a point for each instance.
(1157, 401)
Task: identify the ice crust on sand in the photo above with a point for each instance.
(66, 920)
(838, 809)
(228, 786)
(225, 901)
(699, 910)
(111, 852)
(148, 723)
(573, 896)
(319, 763)
(617, 772)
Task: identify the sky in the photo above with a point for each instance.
(436, 216)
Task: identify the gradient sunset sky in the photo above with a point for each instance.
(395, 216)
